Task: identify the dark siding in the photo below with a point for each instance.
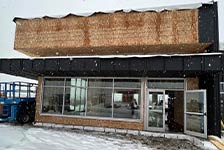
(211, 84)
(208, 26)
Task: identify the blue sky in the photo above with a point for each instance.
(36, 8)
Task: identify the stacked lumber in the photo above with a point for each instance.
(216, 141)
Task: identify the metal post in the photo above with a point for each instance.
(86, 96)
(112, 103)
(19, 88)
(63, 104)
(14, 89)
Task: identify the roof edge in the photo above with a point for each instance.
(158, 8)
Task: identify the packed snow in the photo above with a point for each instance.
(28, 138)
(48, 138)
(110, 6)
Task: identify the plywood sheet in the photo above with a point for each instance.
(216, 141)
(179, 108)
(109, 33)
(192, 83)
(120, 50)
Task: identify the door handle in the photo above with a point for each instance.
(205, 113)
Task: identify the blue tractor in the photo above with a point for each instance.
(17, 102)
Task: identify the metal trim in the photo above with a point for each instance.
(203, 135)
(41, 92)
(147, 111)
(63, 104)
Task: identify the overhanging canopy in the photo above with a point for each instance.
(156, 66)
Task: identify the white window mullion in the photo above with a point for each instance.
(86, 95)
(75, 89)
(42, 91)
(63, 97)
(112, 103)
(80, 95)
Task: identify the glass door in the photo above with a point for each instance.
(155, 110)
(195, 117)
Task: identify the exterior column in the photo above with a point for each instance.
(210, 82)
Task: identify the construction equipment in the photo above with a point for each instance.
(17, 101)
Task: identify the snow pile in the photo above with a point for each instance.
(18, 138)
(88, 8)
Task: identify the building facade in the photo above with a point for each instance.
(154, 71)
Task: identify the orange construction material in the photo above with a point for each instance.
(119, 33)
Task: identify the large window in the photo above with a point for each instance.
(99, 102)
(127, 103)
(53, 96)
(111, 98)
(99, 97)
(127, 98)
(75, 97)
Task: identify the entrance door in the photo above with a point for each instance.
(155, 110)
(195, 113)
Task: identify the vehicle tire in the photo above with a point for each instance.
(25, 118)
(26, 112)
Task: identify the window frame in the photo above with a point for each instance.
(42, 96)
(141, 98)
(142, 85)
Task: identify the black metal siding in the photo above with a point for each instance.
(176, 66)
(208, 26)
(210, 82)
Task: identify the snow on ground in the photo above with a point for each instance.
(29, 138)
(33, 138)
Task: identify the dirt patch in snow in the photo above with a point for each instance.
(155, 142)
